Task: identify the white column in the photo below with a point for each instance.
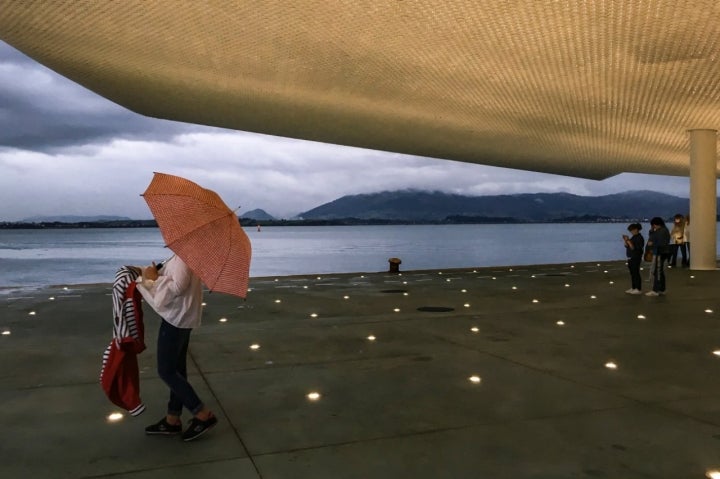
(703, 199)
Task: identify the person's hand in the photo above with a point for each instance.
(150, 272)
(625, 237)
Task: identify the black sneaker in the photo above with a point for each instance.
(198, 427)
(163, 428)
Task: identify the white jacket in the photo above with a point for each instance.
(176, 295)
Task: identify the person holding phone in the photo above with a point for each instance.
(634, 251)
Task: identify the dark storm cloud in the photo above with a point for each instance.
(42, 111)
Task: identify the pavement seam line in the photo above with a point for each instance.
(439, 430)
(222, 408)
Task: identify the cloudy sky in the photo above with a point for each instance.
(66, 150)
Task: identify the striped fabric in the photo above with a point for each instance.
(124, 318)
(119, 375)
(199, 227)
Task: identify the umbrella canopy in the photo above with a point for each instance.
(202, 231)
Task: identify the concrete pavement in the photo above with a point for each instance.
(538, 342)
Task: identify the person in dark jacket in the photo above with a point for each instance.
(659, 241)
(634, 251)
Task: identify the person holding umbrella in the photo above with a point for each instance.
(210, 248)
(175, 293)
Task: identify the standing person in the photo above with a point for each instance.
(686, 242)
(659, 241)
(175, 293)
(634, 251)
(676, 240)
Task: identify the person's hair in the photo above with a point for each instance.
(634, 226)
(678, 216)
(657, 221)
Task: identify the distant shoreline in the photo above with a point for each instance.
(451, 220)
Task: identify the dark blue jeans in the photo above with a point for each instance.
(634, 267)
(659, 273)
(674, 252)
(172, 346)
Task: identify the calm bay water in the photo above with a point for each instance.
(33, 258)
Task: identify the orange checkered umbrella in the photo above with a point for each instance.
(202, 231)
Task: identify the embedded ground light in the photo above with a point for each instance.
(115, 417)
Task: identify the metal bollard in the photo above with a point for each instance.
(394, 265)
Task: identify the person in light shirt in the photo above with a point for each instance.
(175, 293)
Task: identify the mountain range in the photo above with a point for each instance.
(422, 206)
(411, 205)
(73, 219)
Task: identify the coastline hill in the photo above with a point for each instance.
(411, 205)
(73, 219)
(258, 215)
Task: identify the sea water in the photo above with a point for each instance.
(43, 257)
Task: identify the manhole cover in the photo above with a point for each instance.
(435, 309)
(394, 291)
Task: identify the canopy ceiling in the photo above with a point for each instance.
(581, 88)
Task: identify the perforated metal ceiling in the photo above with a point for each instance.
(582, 88)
